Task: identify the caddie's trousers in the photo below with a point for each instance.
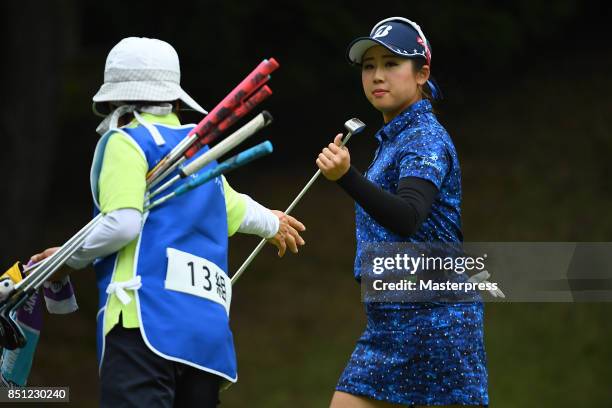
(133, 376)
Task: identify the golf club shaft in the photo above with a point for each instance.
(230, 164)
(233, 140)
(261, 244)
(46, 270)
(51, 264)
(154, 175)
(295, 202)
(248, 87)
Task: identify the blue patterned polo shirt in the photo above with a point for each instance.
(414, 144)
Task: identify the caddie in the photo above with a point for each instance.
(163, 321)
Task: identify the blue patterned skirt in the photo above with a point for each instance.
(421, 354)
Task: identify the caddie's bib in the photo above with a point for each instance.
(180, 277)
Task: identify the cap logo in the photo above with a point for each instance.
(382, 31)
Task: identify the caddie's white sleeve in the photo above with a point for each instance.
(117, 229)
(258, 220)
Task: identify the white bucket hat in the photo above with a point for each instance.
(142, 69)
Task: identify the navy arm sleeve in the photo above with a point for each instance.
(404, 212)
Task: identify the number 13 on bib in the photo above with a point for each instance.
(197, 276)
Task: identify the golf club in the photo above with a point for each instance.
(254, 125)
(240, 101)
(353, 126)
(228, 165)
(248, 87)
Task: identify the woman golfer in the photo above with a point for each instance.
(410, 354)
(163, 322)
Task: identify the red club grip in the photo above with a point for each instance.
(250, 84)
(259, 96)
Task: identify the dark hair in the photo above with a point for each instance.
(417, 65)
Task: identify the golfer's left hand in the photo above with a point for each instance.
(334, 161)
(287, 235)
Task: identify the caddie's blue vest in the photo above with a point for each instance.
(176, 322)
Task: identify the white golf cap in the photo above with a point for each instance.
(143, 69)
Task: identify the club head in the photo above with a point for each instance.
(354, 126)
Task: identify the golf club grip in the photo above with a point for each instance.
(253, 126)
(259, 96)
(248, 261)
(251, 83)
(230, 164)
(241, 110)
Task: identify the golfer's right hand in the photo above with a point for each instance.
(288, 235)
(334, 161)
(43, 255)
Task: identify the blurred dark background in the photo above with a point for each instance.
(527, 101)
